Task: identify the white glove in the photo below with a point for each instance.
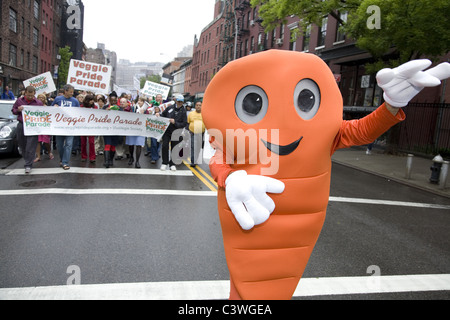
(403, 83)
(247, 197)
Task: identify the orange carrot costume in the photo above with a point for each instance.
(296, 94)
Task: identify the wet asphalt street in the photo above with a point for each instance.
(131, 227)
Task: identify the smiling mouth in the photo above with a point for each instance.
(282, 150)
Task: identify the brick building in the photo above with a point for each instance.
(31, 34)
(428, 118)
(207, 53)
(219, 44)
(50, 34)
(20, 32)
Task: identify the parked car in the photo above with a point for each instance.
(8, 126)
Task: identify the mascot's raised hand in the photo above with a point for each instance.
(403, 83)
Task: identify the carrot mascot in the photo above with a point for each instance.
(275, 119)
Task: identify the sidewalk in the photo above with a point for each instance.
(392, 167)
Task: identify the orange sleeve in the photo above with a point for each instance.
(366, 130)
(219, 166)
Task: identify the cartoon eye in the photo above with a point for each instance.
(251, 104)
(307, 99)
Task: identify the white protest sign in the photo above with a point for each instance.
(61, 121)
(89, 76)
(120, 90)
(43, 83)
(151, 89)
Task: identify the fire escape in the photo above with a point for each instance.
(235, 12)
(231, 42)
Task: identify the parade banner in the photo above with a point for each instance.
(89, 76)
(43, 83)
(151, 89)
(57, 121)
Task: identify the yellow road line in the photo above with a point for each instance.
(198, 175)
(207, 176)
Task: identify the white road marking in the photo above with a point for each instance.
(192, 193)
(108, 192)
(390, 203)
(218, 290)
(49, 171)
(373, 284)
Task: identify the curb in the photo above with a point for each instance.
(402, 181)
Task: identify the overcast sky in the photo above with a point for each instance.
(145, 30)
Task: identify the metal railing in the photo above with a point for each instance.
(426, 129)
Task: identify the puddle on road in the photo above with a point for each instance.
(37, 183)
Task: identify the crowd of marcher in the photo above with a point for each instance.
(185, 126)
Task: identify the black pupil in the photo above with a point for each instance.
(252, 104)
(306, 100)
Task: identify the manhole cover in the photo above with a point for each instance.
(38, 183)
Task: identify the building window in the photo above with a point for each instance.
(36, 9)
(35, 37)
(306, 38)
(274, 37)
(12, 20)
(322, 33)
(22, 58)
(293, 43)
(260, 42)
(340, 35)
(35, 64)
(12, 55)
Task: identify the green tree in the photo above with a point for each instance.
(408, 28)
(153, 78)
(64, 64)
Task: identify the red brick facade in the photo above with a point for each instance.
(29, 40)
(216, 47)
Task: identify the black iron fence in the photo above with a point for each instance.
(426, 129)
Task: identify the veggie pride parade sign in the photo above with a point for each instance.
(43, 83)
(59, 121)
(89, 76)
